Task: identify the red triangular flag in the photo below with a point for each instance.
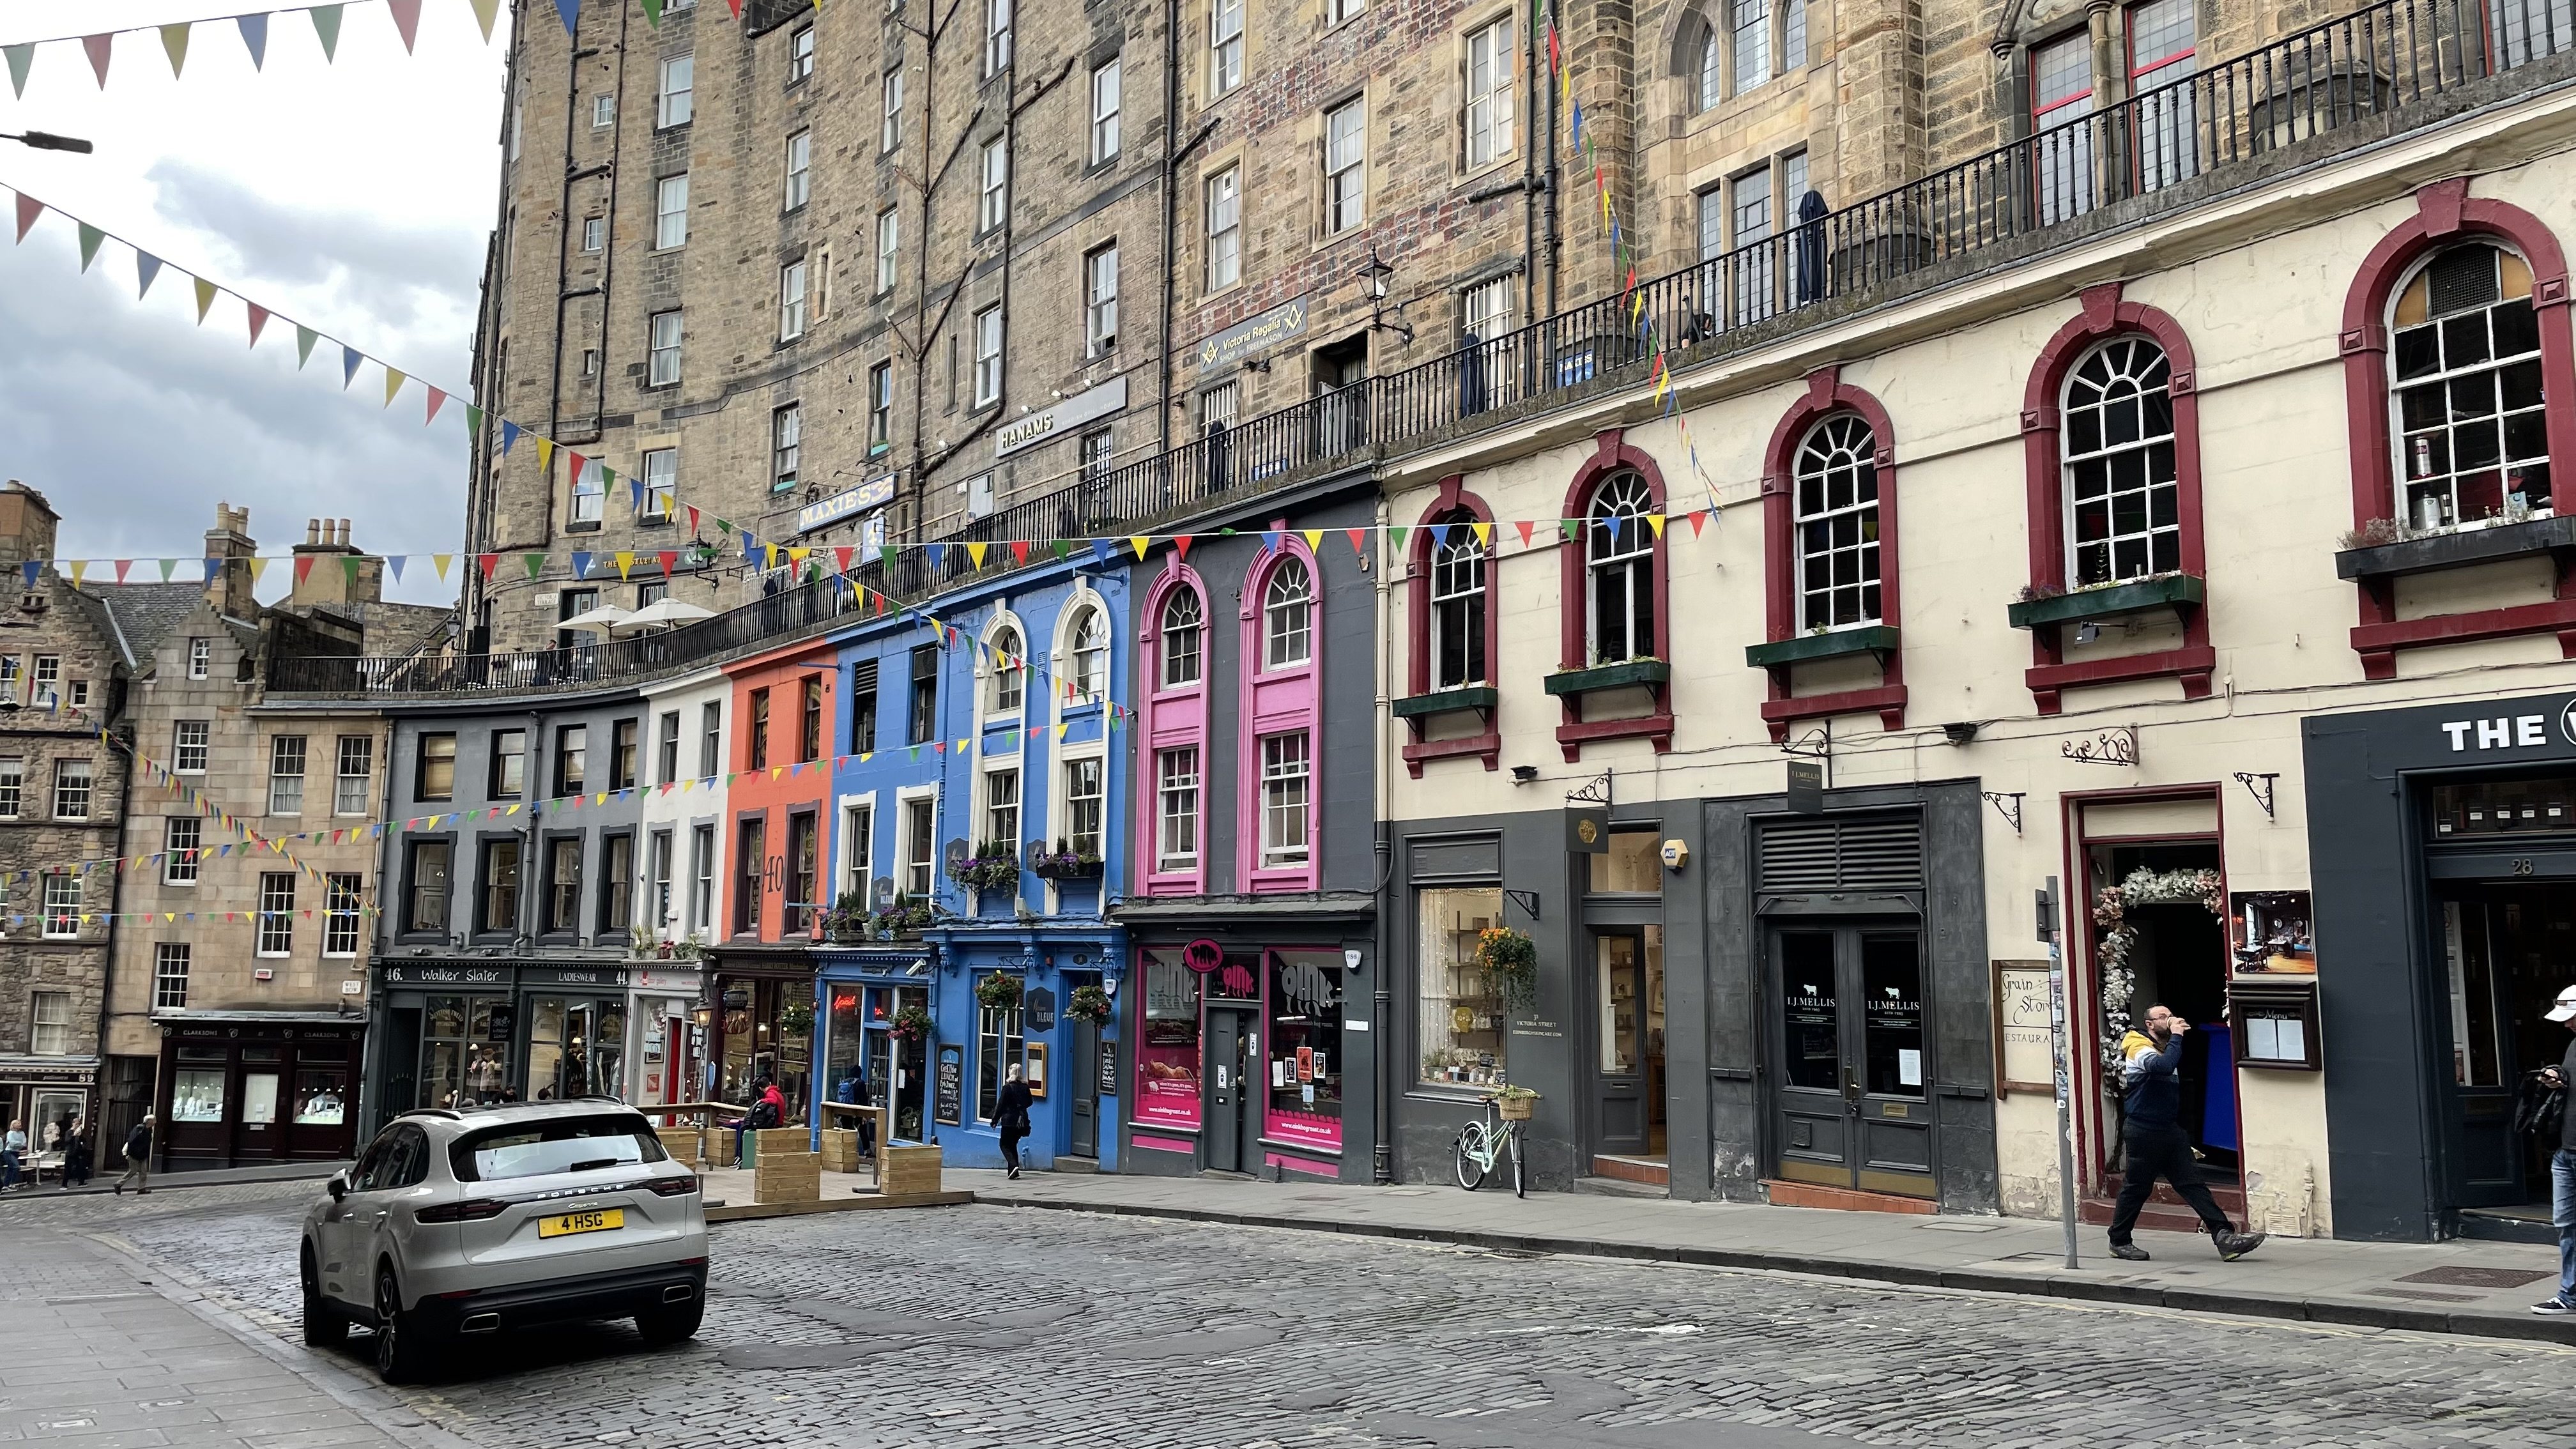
(487, 562)
(97, 46)
(29, 208)
(121, 566)
(1181, 546)
(258, 321)
(1019, 552)
(693, 518)
(303, 568)
(1699, 520)
(841, 559)
(406, 20)
(667, 557)
(1359, 540)
(437, 400)
(736, 7)
(579, 463)
(1525, 526)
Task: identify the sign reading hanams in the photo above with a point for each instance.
(1253, 334)
(1082, 407)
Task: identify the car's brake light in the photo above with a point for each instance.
(472, 1210)
(674, 1186)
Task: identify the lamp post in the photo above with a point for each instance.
(48, 141)
(1374, 273)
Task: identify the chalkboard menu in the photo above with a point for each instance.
(1108, 1069)
(951, 1084)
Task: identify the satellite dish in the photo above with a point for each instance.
(881, 893)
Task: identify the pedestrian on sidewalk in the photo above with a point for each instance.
(1011, 1116)
(78, 1143)
(2562, 1166)
(13, 1154)
(138, 1158)
(2157, 1145)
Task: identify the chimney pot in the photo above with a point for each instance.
(312, 531)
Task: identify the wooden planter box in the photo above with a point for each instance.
(2173, 591)
(1651, 674)
(840, 1149)
(907, 1170)
(784, 1176)
(2465, 549)
(1479, 697)
(719, 1147)
(1876, 639)
(685, 1144)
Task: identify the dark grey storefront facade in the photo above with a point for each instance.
(1673, 1038)
(2442, 854)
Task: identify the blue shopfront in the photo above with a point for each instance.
(1040, 998)
(873, 1005)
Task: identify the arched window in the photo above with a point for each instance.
(1837, 501)
(1090, 672)
(1709, 80)
(1005, 653)
(1458, 606)
(2465, 391)
(2123, 503)
(1288, 615)
(1620, 552)
(1183, 617)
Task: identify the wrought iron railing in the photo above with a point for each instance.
(2381, 59)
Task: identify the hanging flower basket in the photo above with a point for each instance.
(1091, 1004)
(912, 1023)
(2119, 939)
(1510, 963)
(1000, 991)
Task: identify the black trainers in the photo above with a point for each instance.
(2554, 1308)
(2232, 1246)
(2129, 1251)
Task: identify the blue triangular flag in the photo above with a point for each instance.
(1439, 535)
(350, 357)
(212, 564)
(636, 486)
(580, 564)
(509, 435)
(1614, 520)
(28, 570)
(938, 554)
(570, 10)
(1270, 539)
(146, 267)
(750, 548)
(254, 32)
(394, 561)
(1100, 547)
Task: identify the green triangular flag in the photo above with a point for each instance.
(167, 565)
(653, 13)
(349, 567)
(1570, 527)
(90, 237)
(326, 26)
(473, 422)
(483, 16)
(536, 563)
(304, 338)
(20, 57)
(174, 43)
(1395, 538)
(885, 554)
(1063, 547)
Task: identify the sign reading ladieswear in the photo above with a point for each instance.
(1071, 413)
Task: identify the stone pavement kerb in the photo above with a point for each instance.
(2319, 1280)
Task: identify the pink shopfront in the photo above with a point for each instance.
(1239, 1060)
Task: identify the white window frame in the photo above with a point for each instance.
(1100, 299)
(1489, 309)
(1168, 631)
(800, 170)
(603, 111)
(988, 356)
(343, 895)
(190, 739)
(702, 876)
(273, 926)
(1225, 46)
(1288, 620)
(674, 99)
(49, 1024)
(1635, 556)
(1005, 642)
(594, 233)
(993, 201)
(201, 657)
(75, 783)
(998, 818)
(786, 445)
(355, 763)
(889, 244)
(1067, 806)
(997, 36)
(1083, 646)
(1836, 453)
(671, 211)
(661, 474)
(183, 842)
(589, 493)
(1346, 166)
(858, 846)
(13, 785)
(890, 110)
(1105, 105)
(665, 332)
(169, 975)
(1461, 586)
(1179, 805)
(924, 871)
(1490, 119)
(791, 301)
(1224, 194)
(1287, 792)
(881, 405)
(800, 53)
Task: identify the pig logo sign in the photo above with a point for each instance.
(1202, 956)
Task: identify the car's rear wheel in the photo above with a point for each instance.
(325, 1326)
(403, 1351)
(672, 1324)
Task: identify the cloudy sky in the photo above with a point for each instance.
(354, 197)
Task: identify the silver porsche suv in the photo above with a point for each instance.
(460, 1223)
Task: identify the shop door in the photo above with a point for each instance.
(1086, 1090)
(1619, 1076)
(2504, 964)
(1233, 1095)
(1851, 1105)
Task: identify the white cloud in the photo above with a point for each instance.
(355, 197)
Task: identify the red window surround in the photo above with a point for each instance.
(1454, 500)
(1827, 395)
(1286, 700)
(1612, 456)
(2445, 213)
(1174, 718)
(2105, 316)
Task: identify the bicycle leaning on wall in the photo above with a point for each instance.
(1482, 1143)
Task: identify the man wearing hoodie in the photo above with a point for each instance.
(2151, 1083)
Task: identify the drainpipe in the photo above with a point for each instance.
(1382, 1155)
(1547, 213)
(1171, 199)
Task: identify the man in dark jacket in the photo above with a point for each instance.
(2562, 1171)
(138, 1158)
(2151, 1082)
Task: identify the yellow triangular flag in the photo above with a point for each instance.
(964, 746)
(1060, 729)
(866, 755)
(174, 41)
(1314, 540)
(1484, 533)
(625, 561)
(1655, 521)
(775, 771)
(483, 16)
(976, 552)
(1138, 543)
(769, 555)
(393, 384)
(440, 561)
(545, 454)
(80, 566)
(258, 566)
(205, 299)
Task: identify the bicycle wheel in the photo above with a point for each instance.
(1470, 1152)
(1520, 1169)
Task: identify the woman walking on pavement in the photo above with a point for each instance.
(13, 1155)
(1011, 1116)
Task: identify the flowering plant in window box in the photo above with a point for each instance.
(912, 1023)
(1091, 1004)
(847, 920)
(1000, 991)
(995, 866)
(905, 917)
(1065, 863)
(1510, 962)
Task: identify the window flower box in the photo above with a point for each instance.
(1650, 674)
(1478, 697)
(2180, 592)
(1878, 639)
(1063, 863)
(2456, 548)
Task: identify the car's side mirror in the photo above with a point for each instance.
(338, 1186)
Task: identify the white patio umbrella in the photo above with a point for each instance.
(664, 613)
(602, 618)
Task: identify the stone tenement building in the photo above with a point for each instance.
(910, 265)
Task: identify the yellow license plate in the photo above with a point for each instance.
(601, 1221)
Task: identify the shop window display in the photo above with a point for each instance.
(1629, 866)
(465, 1050)
(575, 1049)
(1305, 1049)
(1167, 1050)
(197, 1092)
(321, 1098)
(1463, 1033)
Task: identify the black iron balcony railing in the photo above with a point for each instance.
(2379, 61)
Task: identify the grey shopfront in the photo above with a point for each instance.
(2442, 852)
(480, 1031)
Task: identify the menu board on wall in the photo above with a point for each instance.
(2024, 1048)
(950, 1081)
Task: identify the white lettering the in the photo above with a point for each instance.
(2530, 729)
(2493, 734)
(2458, 730)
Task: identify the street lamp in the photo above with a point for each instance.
(1375, 273)
(48, 141)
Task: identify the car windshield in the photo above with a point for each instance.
(574, 1144)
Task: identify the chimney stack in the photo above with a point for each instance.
(26, 524)
(229, 543)
(329, 570)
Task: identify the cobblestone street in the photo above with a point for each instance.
(1018, 1326)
